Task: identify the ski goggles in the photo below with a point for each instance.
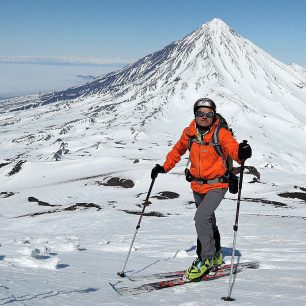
(202, 114)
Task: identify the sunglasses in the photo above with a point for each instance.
(207, 115)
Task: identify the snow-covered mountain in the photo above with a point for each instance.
(75, 167)
(299, 69)
(261, 97)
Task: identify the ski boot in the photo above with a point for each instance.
(218, 259)
(198, 268)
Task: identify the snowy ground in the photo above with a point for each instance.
(69, 257)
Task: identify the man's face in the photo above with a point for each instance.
(202, 116)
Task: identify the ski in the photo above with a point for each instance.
(162, 275)
(181, 280)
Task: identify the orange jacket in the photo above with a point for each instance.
(206, 163)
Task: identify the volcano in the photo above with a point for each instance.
(151, 100)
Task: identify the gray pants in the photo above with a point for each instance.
(205, 222)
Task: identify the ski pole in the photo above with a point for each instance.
(122, 273)
(228, 297)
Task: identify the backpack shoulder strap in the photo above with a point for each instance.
(191, 140)
(216, 143)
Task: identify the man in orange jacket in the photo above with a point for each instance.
(209, 178)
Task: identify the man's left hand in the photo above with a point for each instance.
(244, 151)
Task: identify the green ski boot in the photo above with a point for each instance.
(198, 268)
(218, 259)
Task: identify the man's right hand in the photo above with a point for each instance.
(157, 169)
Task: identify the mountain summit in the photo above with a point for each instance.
(261, 98)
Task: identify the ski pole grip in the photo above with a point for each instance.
(243, 160)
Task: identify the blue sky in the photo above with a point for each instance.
(124, 30)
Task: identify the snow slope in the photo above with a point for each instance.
(76, 165)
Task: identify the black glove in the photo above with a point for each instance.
(157, 169)
(244, 150)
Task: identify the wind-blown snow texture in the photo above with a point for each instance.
(66, 229)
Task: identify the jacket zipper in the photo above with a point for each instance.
(199, 160)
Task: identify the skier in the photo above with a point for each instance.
(209, 178)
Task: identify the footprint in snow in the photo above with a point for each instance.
(39, 258)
